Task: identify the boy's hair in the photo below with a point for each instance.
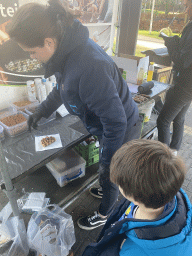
(34, 22)
(147, 171)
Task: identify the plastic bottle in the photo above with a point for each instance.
(43, 92)
(38, 90)
(140, 76)
(150, 72)
(31, 90)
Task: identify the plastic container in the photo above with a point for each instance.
(24, 103)
(6, 111)
(140, 76)
(17, 129)
(2, 136)
(67, 167)
(150, 72)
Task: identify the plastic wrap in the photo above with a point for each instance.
(51, 232)
(20, 151)
(32, 202)
(12, 230)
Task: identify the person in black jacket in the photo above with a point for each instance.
(89, 85)
(179, 96)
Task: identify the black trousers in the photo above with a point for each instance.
(110, 190)
(174, 110)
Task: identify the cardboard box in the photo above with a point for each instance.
(132, 66)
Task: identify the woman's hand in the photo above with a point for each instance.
(33, 119)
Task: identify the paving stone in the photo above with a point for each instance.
(189, 174)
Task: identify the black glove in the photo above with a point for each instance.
(33, 119)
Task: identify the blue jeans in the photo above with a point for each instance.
(174, 109)
(110, 190)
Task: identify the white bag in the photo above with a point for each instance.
(146, 108)
(51, 232)
(13, 229)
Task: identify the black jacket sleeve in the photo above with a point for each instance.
(52, 103)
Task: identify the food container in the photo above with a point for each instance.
(6, 111)
(1, 133)
(67, 167)
(42, 121)
(24, 103)
(13, 118)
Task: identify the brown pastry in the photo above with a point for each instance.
(47, 141)
(140, 98)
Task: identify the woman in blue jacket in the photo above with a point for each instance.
(89, 85)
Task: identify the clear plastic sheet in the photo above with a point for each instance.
(20, 152)
(51, 232)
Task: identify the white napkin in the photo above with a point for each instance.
(56, 144)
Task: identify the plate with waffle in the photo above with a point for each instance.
(47, 142)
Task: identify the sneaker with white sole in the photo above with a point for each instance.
(91, 222)
(96, 192)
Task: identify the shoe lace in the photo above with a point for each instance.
(96, 215)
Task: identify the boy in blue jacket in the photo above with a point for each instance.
(155, 217)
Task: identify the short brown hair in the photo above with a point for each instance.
(147, 171)
(34, 22)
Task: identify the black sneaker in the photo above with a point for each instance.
(96, 192)
(91, 222)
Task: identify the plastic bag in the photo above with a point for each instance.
(146, 109)
(20, 244)
(12, 229)
(32, 202)
(5, 234)
(51, 231)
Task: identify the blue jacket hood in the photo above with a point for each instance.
(173, 245)
(114, 232)
(75, 35)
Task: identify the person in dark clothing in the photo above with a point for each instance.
(89, 85)
(155, 217)
(179, 96)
